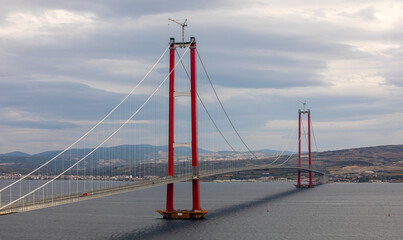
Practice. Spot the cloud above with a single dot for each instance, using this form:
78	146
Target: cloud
41	124
13	118
54	99
28	25
65	64
376	48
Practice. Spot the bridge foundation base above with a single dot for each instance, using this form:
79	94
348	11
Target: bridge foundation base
304	185
183	214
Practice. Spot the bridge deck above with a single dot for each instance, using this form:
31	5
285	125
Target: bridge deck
77	197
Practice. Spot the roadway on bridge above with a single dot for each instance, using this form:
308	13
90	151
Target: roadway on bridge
132	186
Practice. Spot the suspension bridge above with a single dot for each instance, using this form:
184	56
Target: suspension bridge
156	135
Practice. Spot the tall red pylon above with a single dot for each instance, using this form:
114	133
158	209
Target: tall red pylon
171	119
310	184
196	212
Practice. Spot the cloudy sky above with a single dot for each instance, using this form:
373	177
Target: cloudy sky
65	64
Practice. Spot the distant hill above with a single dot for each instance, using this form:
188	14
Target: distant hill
15	154
387	155
122	151
116	152
378	156
125	153
272	151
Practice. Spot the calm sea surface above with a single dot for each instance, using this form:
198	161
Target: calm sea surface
237	211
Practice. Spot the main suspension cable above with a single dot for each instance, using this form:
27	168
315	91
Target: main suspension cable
103	142
292	153
94	127
289	157
208	113
286	146
225	112
314	138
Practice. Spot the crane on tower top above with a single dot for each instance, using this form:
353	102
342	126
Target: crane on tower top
184	24
303	104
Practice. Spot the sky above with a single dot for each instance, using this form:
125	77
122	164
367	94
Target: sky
65	64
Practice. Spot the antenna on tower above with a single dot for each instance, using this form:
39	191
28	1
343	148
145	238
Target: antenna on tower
183	25
303	104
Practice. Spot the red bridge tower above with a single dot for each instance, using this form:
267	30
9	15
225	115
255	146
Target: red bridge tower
170	212
308	112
